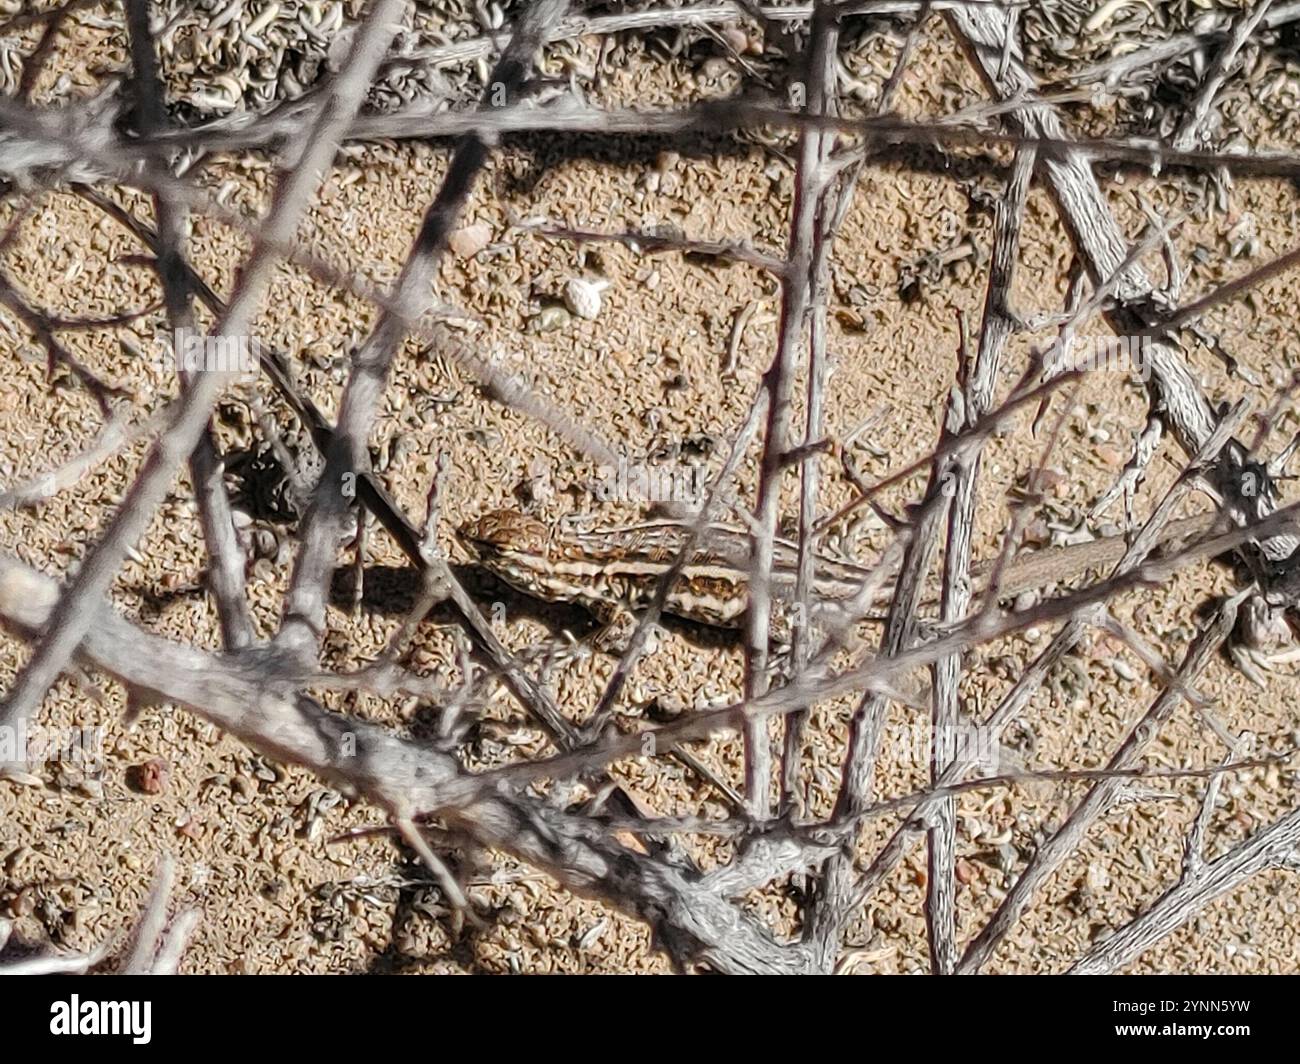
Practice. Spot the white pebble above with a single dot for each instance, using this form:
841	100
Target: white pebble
582	297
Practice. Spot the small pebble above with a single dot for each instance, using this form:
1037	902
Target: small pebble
151	777
467	242
549	320
582	297
964	871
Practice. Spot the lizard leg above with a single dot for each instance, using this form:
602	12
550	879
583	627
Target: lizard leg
617	625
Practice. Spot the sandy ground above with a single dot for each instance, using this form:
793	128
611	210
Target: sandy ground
261	848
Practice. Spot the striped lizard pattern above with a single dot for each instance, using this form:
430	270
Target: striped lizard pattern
614	574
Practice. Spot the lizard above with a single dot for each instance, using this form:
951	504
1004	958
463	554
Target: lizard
613	574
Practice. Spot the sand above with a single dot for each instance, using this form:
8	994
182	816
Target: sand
272	857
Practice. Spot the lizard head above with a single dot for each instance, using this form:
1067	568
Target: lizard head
499	531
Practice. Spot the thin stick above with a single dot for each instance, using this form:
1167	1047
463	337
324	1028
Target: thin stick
228	561
1022	691
1273	847
963	475
1192	127
304	620
778	382
1067	838
74	614
153	919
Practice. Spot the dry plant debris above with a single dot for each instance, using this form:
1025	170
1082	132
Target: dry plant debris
535	486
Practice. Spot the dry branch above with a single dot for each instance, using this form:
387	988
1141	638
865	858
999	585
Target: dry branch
962	474
801	277
241	695
1273	847
75	614
1053	852
260	693
1101	244
304	623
